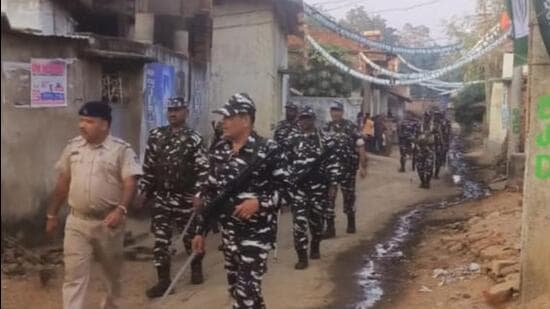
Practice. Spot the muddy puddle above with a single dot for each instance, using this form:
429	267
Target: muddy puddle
375	275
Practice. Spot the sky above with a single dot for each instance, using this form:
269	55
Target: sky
430	13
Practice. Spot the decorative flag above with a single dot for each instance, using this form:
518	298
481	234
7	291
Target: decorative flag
542	9
519	11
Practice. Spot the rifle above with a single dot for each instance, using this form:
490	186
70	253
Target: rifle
214	208
303	177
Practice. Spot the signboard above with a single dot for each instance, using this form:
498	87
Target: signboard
48	83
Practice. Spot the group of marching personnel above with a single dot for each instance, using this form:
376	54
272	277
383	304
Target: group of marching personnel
426	142
236	185
241	182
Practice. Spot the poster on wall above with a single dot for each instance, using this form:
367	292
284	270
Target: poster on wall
48	83
158	85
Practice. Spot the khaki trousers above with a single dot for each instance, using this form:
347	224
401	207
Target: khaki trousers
87	240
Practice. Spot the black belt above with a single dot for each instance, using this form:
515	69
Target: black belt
91	214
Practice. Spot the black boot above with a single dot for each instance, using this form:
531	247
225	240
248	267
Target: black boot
302	260
351	223
330	232
314	252
422	181
428	179
402	169
196	270
163	273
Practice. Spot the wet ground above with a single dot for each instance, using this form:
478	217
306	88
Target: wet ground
377	264
381	195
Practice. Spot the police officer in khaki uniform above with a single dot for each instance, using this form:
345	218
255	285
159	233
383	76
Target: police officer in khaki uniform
98	173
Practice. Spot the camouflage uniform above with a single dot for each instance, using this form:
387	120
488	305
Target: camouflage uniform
425	152
407	132
284	130
348	138
309	197
246	243
175	164
442	131
347	135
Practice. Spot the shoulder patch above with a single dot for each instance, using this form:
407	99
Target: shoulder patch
195	136
76	139
120	141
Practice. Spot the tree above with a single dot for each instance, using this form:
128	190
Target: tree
359	20
419	36
319	78
415	36
468	109
469	30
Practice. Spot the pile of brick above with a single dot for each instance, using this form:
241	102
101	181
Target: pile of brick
493	240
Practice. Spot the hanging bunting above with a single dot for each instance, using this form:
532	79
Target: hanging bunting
327	22
431	75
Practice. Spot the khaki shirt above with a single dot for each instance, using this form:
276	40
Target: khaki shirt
97	172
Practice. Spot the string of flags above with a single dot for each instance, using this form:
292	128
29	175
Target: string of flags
329	23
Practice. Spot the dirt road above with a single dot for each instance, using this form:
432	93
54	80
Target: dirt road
382	194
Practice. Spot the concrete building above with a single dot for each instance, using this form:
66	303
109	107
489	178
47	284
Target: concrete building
99	49
249	54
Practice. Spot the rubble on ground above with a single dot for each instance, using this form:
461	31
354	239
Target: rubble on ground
491	239
20	261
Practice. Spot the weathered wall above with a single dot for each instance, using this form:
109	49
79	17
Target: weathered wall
33	138
40	15
199	107
396	107
535	247
247	49
419	106
497	119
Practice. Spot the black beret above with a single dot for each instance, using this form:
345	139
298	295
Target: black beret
96	109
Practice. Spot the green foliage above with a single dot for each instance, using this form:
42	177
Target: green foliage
467	105
319	78
359	20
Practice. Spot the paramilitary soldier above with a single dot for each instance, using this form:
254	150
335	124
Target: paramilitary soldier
350	152
175	164
248	214
288	127
442	132
407	132
284	130
425	151
315	167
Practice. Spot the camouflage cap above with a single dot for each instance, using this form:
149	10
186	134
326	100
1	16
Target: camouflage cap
307	111
177	102
239	103
337	105
291	105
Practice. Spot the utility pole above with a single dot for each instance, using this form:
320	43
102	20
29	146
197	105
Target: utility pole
535	249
